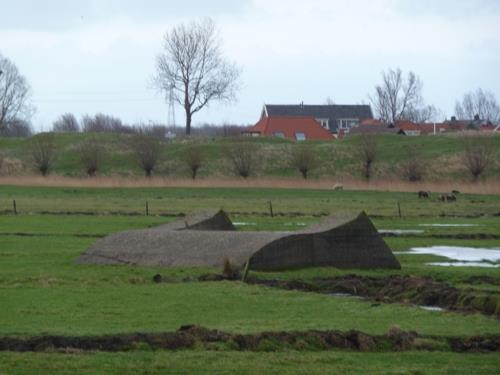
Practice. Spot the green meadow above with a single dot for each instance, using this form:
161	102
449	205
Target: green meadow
44	291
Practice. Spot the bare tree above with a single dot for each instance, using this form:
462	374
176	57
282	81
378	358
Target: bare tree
193	157
481	103
192	66
17	128
90	153
67	122
478	155
15	94
102	123
367	151
147	152
242	156
43	152
398	98
303	158
412	168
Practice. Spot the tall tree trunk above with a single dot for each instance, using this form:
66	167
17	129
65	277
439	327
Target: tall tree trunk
188	122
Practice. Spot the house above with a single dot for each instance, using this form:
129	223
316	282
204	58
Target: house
294	128
475	124
376	129
332	117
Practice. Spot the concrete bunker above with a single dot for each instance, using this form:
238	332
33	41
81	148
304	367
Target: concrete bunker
209	239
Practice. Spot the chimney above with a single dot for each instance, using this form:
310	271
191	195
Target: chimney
453	119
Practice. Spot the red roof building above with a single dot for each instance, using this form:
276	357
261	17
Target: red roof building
372	122
294	128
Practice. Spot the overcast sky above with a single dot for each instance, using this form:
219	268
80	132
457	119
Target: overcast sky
98	55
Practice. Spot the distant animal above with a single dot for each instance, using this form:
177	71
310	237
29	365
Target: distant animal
447	198
338	187
455	192
424	194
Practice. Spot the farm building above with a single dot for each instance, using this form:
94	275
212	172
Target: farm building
294	128
210	239
332	117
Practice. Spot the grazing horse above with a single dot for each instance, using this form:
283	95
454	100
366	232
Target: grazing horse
424	194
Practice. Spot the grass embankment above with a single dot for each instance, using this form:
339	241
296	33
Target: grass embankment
43	290
441	156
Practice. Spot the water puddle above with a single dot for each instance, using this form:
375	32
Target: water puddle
448	225
242	223
431	308
464	264
459	253
400	231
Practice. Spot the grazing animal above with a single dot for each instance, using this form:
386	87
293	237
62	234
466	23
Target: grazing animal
338	187
447	198
455	192
424	194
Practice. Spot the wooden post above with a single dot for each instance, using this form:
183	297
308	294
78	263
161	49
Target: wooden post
14	207
271	209
147	209
399	209
245	271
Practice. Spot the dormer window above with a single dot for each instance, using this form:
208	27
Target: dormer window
300	136
324	122
347	123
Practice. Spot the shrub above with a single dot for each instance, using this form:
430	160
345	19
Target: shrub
193	158
90	152
303	158
43	152
242	157
478	155
412	168
367	152
147	152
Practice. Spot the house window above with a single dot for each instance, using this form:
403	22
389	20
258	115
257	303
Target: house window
347	123
300	136
279	134
324	122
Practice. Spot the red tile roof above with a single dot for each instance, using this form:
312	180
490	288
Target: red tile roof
372	121
289	126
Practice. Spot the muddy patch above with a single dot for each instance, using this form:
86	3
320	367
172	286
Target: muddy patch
192	336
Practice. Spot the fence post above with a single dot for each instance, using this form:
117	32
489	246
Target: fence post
245	271
147	208
399	209
14	206
271	209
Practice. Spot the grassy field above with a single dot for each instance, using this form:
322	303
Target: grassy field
43	290
337	159
201	362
